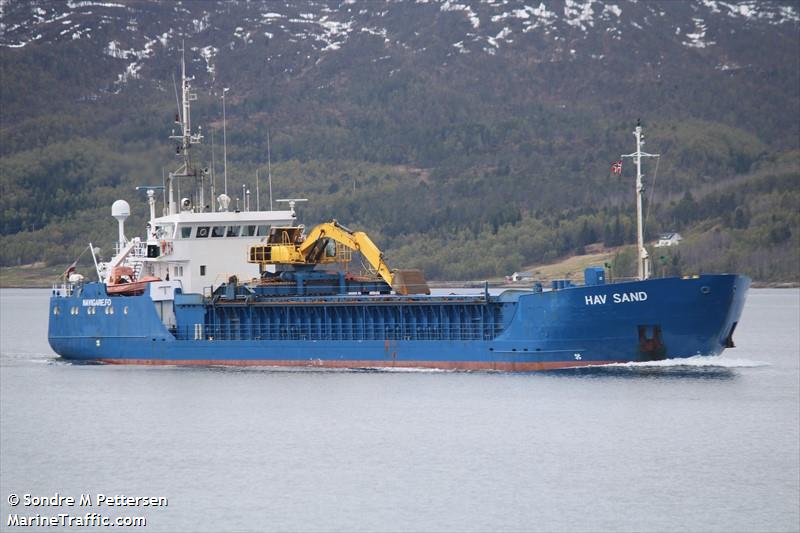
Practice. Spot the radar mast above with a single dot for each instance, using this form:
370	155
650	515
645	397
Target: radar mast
643	260
187	139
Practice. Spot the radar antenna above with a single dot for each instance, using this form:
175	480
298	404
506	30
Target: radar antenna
292	202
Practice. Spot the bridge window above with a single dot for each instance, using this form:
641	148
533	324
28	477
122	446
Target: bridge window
249	231
233	231
165	231
218	231
263	231
186	232
202	232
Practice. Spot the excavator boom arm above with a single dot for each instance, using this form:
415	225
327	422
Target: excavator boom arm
289	251
355	240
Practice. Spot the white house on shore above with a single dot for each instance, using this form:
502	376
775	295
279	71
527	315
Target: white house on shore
520	276
668	239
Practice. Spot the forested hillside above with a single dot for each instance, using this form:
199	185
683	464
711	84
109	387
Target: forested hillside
470	139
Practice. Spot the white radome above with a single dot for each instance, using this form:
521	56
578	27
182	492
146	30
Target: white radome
120	210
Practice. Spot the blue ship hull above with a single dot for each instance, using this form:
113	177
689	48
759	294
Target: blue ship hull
515	331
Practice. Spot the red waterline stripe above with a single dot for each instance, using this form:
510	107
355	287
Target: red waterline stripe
506	366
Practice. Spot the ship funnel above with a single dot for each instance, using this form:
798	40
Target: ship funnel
224	201
121	211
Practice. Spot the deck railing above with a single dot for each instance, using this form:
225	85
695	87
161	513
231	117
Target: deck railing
335	332
62	289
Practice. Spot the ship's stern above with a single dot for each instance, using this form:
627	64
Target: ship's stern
88	324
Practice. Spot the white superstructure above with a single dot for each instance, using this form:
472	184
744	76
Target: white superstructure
199	250
189	247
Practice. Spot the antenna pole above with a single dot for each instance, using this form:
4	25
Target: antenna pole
171	204
258	203
269	170
200	207
177	98
213	174
151	201
167	204
643	262
163	192
224	142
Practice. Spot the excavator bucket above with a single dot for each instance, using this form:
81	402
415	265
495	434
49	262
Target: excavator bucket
410	282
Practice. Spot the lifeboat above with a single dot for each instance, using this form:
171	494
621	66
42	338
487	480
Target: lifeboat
122	282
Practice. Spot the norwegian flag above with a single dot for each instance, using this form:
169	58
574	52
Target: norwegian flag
616	168
70	269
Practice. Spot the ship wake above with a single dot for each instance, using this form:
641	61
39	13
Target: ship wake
698	361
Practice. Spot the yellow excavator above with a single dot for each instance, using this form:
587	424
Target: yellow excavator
330	242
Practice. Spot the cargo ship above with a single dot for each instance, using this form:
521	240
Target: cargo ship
222	286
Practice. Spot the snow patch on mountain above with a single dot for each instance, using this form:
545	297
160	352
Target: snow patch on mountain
697	38
448	5
613	9
579	14
335	33
76	5
200	25
114	49
208	53
541	17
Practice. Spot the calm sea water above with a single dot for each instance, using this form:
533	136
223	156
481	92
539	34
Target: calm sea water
706	444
